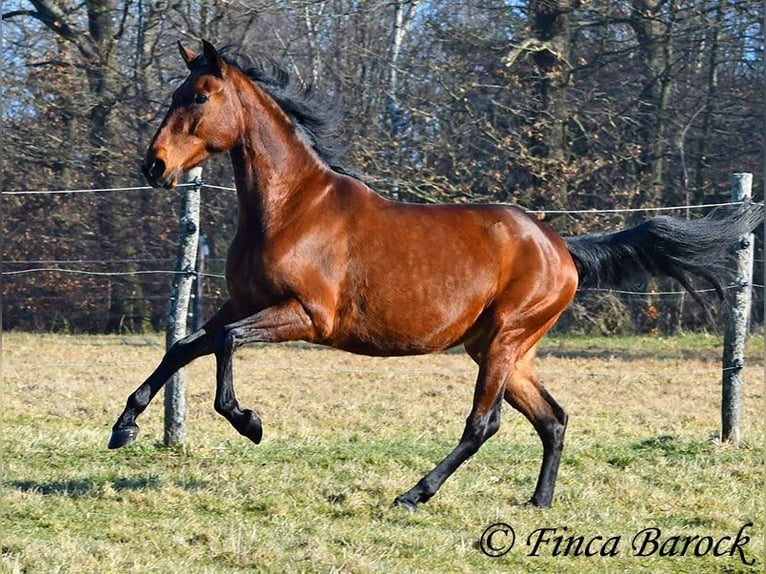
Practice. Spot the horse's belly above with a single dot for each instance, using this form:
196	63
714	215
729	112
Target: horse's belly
409	328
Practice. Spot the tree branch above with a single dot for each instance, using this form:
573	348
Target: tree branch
15	13
55	19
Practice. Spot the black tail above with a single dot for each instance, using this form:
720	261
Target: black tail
666	246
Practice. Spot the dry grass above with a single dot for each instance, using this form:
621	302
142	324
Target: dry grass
343	436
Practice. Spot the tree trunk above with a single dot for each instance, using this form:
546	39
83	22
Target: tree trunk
711	106
654	33
550	24
398	117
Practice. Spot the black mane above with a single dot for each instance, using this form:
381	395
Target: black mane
317	119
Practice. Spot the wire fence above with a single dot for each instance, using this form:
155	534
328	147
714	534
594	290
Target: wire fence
162	267
105	269
233	189
42	265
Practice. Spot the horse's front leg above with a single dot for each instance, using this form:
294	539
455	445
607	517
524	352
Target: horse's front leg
182	353
287	321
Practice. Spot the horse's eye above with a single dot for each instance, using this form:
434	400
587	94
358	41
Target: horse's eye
200	98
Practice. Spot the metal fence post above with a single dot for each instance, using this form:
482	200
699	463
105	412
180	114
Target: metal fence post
178	306
737	322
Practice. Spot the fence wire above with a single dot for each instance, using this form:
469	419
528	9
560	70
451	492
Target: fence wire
170	272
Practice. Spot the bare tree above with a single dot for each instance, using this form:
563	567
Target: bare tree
546	103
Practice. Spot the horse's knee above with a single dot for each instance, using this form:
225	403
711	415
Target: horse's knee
225	341
175	354
188	348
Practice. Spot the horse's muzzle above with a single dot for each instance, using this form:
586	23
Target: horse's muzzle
154	173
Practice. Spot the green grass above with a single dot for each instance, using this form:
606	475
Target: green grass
343	436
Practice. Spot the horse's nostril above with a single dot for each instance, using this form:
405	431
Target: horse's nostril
154	172
157	169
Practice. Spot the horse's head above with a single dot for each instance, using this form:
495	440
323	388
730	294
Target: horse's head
202	120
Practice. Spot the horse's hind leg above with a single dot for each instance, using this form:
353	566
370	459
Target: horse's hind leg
525	393
482	423
180	354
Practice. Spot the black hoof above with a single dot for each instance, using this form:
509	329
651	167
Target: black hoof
406	503
121	437
253	429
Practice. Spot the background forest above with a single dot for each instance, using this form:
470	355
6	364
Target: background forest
553	105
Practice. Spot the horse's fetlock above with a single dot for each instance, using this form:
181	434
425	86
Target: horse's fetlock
222	408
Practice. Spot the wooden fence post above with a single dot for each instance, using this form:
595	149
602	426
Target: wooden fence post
178	306
737	323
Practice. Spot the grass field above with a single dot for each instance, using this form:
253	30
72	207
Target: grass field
343	435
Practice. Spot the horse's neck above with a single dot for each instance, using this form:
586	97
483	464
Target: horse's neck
273	166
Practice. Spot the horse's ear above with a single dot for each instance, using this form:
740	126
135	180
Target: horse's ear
213	58
187	54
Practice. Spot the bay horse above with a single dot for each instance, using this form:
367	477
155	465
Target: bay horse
319	257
